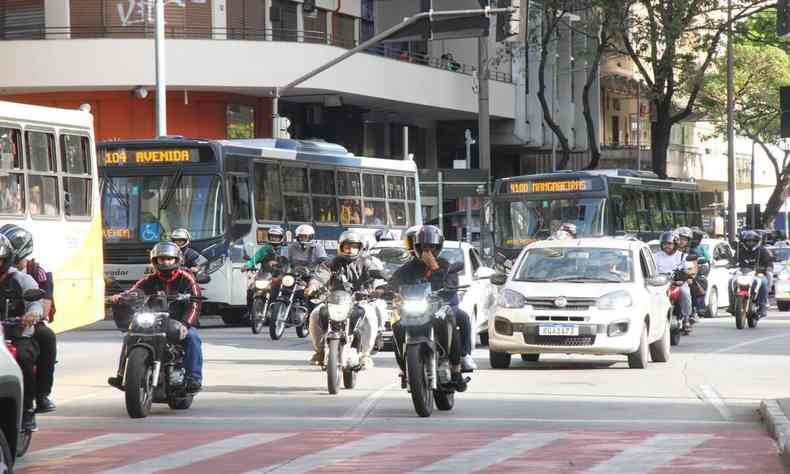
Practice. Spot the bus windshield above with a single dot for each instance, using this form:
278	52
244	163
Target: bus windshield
519	223
148	208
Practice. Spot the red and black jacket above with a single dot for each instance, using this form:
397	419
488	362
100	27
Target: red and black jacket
178	281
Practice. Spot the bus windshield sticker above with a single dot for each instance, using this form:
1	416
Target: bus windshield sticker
150	232
122	157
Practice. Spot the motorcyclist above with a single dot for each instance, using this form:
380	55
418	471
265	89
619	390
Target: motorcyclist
752	254
192	258
305	251
22	241
349	267
699	286
267	259
13	283
169	277
428	267
669	259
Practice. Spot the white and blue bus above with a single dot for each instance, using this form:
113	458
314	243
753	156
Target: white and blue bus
228	193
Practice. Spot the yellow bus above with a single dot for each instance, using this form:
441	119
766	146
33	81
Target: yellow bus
49	186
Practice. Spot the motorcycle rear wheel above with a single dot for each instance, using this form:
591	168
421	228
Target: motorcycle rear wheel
752	321
139	390
417	373
740	313
333	366
23	442
276	323
258	316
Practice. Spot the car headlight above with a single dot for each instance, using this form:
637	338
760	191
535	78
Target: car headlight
338	312
617	328
511	299
414	306
262	284
288	280
214	265
615	300
145	320
744	280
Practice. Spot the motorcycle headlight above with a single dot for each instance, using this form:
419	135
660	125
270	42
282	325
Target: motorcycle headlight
338	312
616	300
414	306
744	280
262	284
215	265
145	320
288	280
511	299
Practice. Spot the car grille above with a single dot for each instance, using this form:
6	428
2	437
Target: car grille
575	319
574	304
565	341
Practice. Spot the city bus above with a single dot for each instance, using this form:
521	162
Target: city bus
48	186
228	193
524	209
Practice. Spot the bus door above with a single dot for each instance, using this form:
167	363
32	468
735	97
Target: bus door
240	233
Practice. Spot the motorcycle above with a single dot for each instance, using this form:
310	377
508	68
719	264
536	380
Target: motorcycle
428	376
676	329
154	358
261	284
290	308
746	287
10	325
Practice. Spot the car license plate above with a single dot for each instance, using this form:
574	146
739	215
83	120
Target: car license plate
558	330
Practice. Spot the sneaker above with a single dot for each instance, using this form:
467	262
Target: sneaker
763	312
365	362
29	421
317	359
459	381
193	386
468	364
116	382
45	405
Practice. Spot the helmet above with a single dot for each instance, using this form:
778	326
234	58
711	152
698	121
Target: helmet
384	234
697	235
668	237
408	237
276	236
350	244
305	235
750	239
561	235
21	240
181	235
569	228
685	233
6	253
165	249
429	237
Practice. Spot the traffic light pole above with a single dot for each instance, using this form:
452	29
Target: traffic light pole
278	91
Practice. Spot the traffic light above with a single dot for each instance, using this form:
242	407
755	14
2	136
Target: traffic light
308	6
784	106
754	218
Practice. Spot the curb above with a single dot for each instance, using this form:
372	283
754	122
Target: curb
778	426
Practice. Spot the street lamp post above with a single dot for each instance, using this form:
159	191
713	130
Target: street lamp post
732	223
161	88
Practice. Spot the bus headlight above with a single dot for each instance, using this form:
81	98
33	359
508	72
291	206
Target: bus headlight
214	265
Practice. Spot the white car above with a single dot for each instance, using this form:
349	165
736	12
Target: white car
479	300
599	296
781	278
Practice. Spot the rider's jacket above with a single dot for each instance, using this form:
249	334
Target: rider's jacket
307	257
179	281
356	272
192	258
668	263
12	285
416	271
761	255
266	255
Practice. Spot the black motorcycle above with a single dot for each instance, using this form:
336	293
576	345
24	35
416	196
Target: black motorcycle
154	354
290	307
261	287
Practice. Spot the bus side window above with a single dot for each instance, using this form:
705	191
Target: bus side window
631	222
239	198
618	214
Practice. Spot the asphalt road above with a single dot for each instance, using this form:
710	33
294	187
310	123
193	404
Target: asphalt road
264	409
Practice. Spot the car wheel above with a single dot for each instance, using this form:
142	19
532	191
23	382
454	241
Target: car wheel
659	350
530	357
6	461
484	338
499	360
713	304
638	359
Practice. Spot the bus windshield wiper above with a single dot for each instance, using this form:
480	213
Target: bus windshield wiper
108	182
171	190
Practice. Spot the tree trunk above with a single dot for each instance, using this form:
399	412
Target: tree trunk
547	113
592	133
777	198
660	132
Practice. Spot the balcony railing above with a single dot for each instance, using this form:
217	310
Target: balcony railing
146	31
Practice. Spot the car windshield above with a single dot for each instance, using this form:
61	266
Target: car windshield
519	223
781	253
576	265
148	208
395	257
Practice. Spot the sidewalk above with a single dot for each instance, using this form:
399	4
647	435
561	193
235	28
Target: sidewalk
776	417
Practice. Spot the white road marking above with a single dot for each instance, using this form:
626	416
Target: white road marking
710	395
749	343
336	454
654	452
494	453
82	447
362	410
198	453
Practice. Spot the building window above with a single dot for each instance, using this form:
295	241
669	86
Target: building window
240	121
22	19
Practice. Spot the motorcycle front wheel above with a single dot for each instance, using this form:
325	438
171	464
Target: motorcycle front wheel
304	329
445	401
139	383
258	315
23	442
740	313
417	374
333	366
277	320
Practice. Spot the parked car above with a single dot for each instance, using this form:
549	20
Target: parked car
11	405
599	296
479	300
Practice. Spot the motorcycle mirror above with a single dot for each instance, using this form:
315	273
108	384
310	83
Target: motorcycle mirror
202	278
508	264
456	267
33	294
499	279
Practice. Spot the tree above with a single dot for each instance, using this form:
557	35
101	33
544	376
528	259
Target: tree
762	64
673	43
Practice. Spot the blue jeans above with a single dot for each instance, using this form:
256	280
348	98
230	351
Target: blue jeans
193	359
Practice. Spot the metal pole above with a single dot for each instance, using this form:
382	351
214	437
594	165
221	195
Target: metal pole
754	214
161	88
469	142
639	126
276	113
554	81
405	142
733	221
439	190
787	218
483	121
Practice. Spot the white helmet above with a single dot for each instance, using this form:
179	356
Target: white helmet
181	237
305	235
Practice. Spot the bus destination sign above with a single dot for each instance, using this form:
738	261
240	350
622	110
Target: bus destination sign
164	156
563	186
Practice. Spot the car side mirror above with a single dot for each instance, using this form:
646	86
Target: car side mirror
33	294
484	273
508	264
202	278
658	280
455	267
499	279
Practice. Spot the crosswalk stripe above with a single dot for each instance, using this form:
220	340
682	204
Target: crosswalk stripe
198	453
81	447
493	453
339	453
656	451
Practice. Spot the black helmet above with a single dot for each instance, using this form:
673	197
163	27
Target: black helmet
350	245
697	235
6	254
21	240
408	238
668	237
165	249
750	239
429	236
